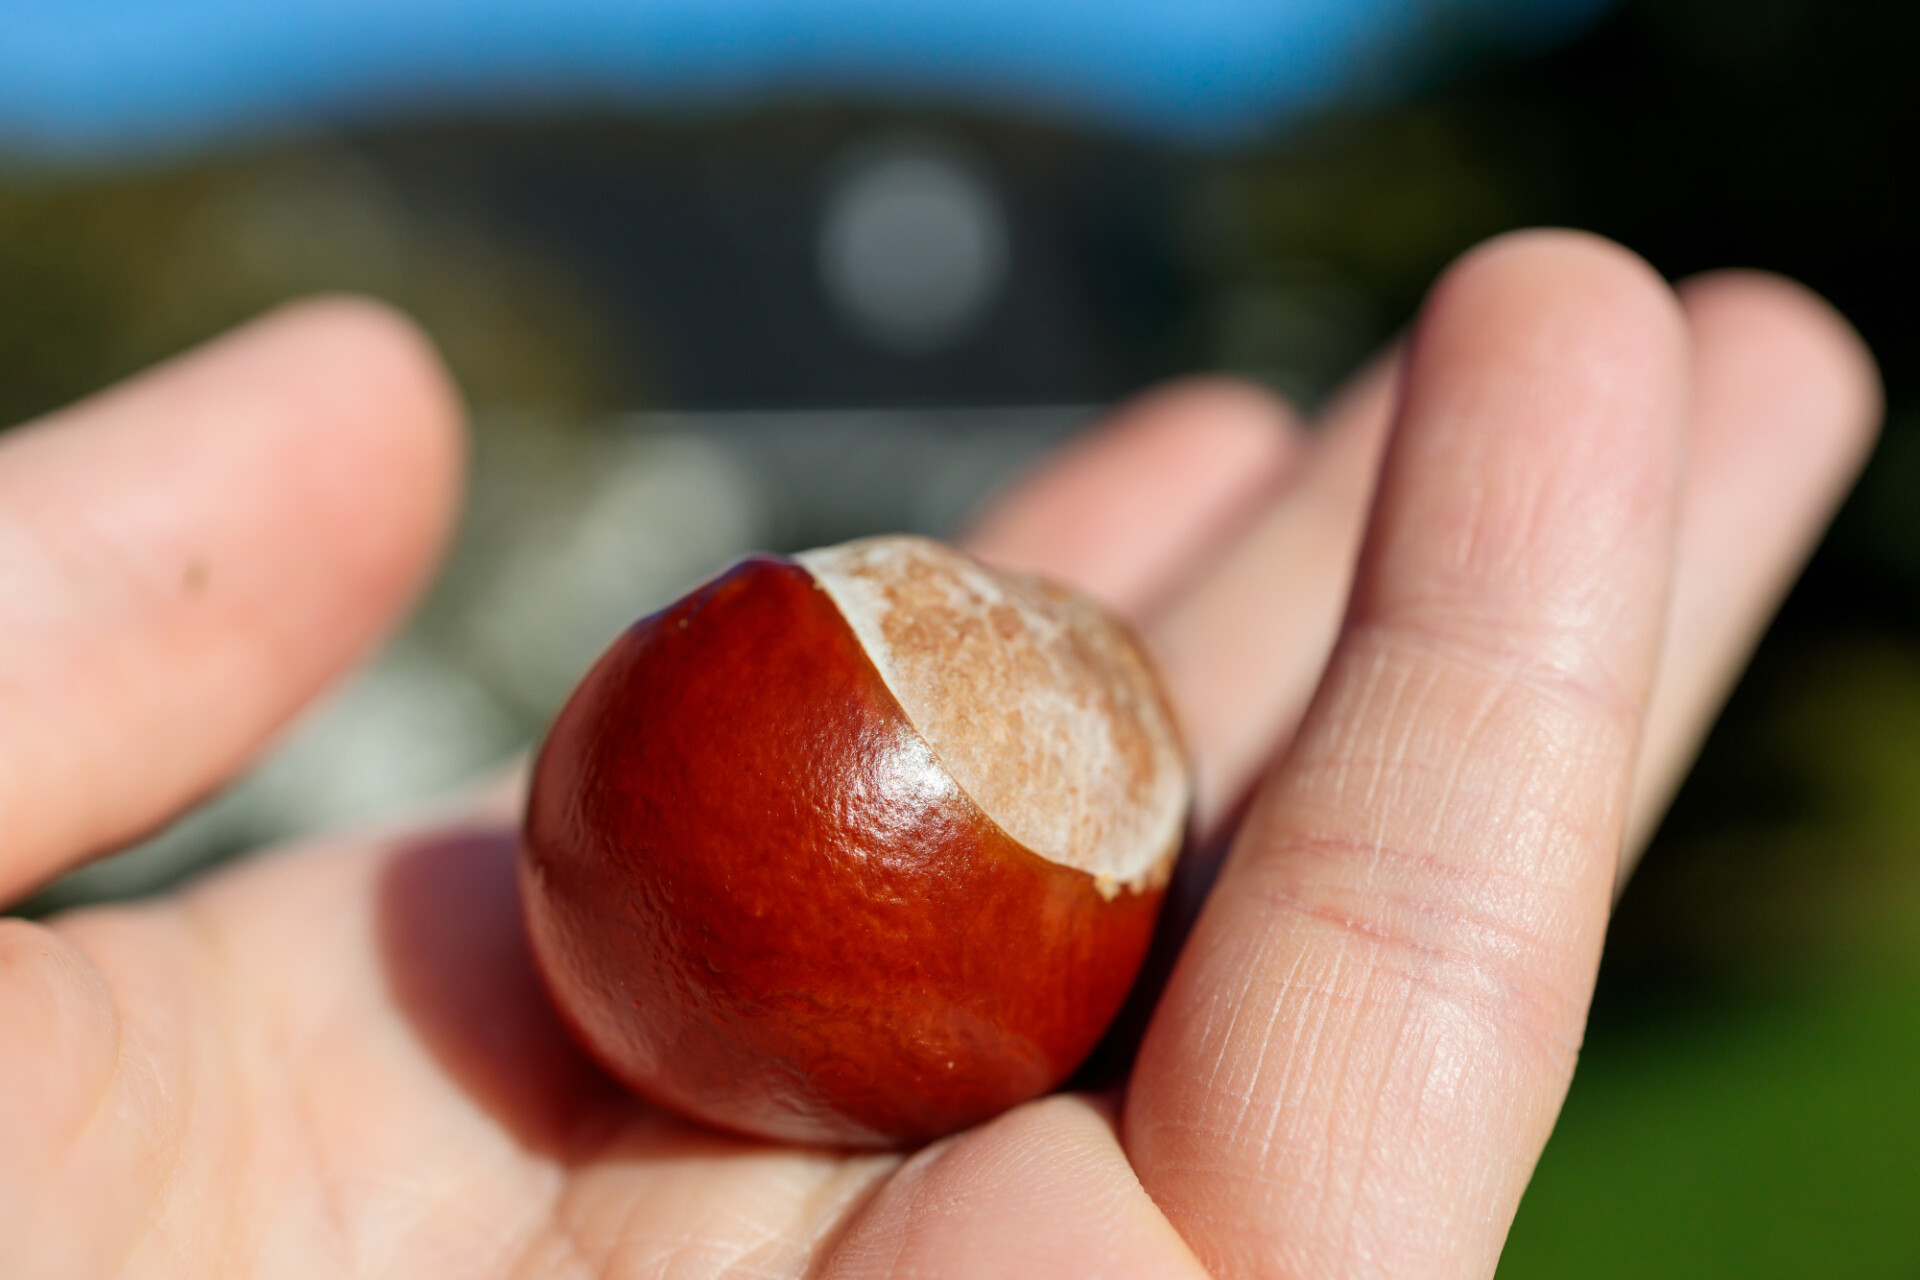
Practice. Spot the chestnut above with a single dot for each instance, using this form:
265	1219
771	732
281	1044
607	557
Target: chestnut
857	848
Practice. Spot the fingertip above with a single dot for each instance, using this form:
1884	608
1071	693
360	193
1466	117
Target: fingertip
1576	326
1242	422
377	417
395	357
1559	249
1122	510
335	412
1546	395
1046	1184
1610	290
1785	334
338	411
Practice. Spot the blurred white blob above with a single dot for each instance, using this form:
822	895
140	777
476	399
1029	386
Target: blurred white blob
655	515
913	247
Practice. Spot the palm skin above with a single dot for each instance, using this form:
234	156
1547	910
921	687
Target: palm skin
337	1059
349	1043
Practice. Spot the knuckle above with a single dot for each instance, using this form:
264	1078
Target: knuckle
1480	942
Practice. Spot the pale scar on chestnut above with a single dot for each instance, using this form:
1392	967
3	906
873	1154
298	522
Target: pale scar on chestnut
1036	700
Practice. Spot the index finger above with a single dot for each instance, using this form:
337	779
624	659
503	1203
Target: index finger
1368	1036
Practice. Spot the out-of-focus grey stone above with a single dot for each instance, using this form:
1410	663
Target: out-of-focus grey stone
913	244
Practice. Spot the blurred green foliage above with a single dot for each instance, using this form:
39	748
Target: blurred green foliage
1745	1106
104	273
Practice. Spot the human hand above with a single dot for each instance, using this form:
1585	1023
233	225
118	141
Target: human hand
337	1059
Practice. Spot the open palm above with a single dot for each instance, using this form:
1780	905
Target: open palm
1458	643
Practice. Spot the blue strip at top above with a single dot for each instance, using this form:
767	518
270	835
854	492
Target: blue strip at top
100	76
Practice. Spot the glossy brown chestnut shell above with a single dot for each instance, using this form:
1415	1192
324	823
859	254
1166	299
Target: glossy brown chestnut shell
760	897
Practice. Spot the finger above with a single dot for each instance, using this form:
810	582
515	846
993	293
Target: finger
57	1020
184	560
1786	402
1364	1046
1123	511
1044	1190
1242	647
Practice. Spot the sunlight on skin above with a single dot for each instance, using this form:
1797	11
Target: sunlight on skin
1383	1000
337	1060
348	1043
1053	1182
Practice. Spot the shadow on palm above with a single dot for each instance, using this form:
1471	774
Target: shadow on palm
458	965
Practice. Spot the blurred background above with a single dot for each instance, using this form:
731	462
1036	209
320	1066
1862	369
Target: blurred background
762	275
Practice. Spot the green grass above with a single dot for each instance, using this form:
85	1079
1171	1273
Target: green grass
1784	1144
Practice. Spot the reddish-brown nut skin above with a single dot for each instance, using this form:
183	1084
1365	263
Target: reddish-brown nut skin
755	903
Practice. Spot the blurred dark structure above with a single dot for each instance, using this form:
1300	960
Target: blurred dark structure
704	245
1745	1106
